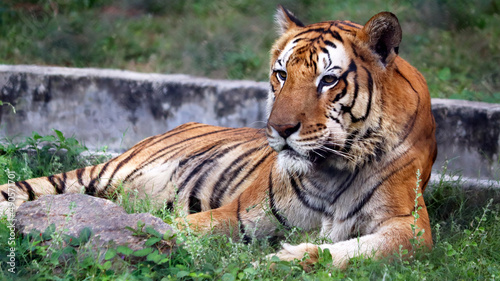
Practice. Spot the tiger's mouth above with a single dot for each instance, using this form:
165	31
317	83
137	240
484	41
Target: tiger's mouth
290	162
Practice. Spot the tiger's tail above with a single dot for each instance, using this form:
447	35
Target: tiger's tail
14	193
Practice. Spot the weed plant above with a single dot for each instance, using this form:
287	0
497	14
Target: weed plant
38	156
465	225
454	43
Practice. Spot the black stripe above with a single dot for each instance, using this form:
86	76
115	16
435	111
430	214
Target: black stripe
246	239
79	175
344	186
411	123
319	30
272	204
303	199
352	68
349	140
370	96
137	150
336	35
201	179
370	193
101	173
90	190
330	43
257	165
349	24
202	151
223	184
230	172
199	166
401	74
137	172
63	181
158	154
5	195
52	179
341	95
177	131
23	185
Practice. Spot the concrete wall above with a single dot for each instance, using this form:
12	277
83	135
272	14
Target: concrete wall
119	108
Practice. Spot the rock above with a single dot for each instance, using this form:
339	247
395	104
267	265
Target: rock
71	214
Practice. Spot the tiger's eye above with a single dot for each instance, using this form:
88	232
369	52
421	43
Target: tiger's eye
281	75
329	79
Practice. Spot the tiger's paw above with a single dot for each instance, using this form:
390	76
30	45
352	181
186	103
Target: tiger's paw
292	252
298	252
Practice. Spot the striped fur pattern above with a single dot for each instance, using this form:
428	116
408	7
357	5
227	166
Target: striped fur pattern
349	125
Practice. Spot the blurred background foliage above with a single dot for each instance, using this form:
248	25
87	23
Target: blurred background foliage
454	43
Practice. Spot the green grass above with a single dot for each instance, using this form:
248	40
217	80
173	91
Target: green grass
454	43
465	225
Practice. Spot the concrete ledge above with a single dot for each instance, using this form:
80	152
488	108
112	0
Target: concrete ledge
117	109
468	136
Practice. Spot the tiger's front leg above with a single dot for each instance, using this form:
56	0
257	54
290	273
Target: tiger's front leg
387	240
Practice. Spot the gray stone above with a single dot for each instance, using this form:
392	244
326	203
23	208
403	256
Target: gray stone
71	213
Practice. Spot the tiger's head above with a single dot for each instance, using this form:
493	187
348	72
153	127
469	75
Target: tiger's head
328	86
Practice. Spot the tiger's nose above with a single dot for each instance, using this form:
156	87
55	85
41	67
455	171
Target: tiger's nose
285	130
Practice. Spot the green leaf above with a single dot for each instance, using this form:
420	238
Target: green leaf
152	231
151	241
142	253
60	135
106	265
135	232
228	277
69	251
154	257
181	274
275	259
35	135
250	271
169	235
140	225
85	234
111	253
124	250
73	241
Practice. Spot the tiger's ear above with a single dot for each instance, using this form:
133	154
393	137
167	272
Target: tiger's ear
383	34
286	20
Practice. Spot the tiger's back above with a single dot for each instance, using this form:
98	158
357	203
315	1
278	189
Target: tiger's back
201	167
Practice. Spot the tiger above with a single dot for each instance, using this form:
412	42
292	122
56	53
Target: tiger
349	134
